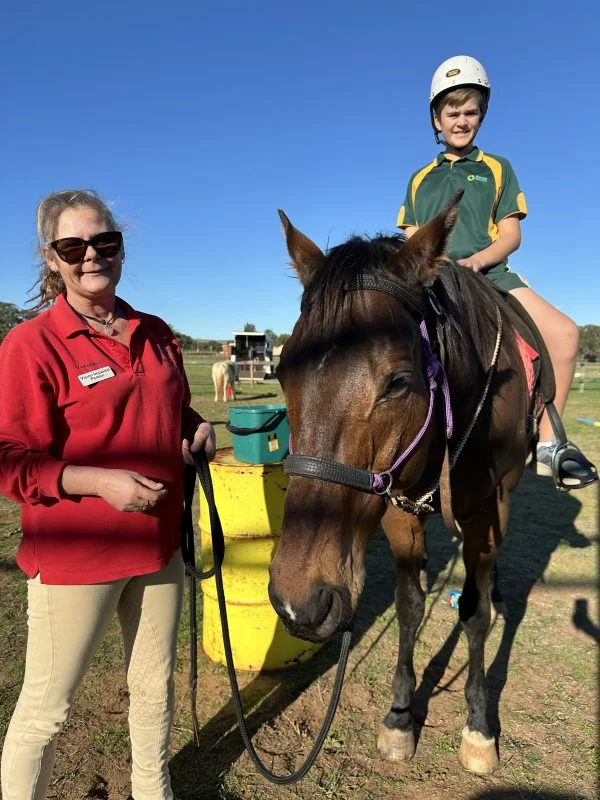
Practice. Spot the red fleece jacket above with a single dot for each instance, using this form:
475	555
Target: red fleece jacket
134	419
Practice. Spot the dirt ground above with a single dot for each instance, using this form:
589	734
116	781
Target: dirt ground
543	663
542	676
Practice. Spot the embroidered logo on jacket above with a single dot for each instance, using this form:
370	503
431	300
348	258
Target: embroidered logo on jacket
87	365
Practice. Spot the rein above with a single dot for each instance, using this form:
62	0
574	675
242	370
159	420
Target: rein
218	544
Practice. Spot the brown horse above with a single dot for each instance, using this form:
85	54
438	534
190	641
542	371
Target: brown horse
377	425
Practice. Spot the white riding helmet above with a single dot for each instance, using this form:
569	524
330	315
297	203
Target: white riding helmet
459	71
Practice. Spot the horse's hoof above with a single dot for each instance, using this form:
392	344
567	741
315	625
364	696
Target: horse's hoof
396	745
478	753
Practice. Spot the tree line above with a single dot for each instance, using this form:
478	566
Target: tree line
11	315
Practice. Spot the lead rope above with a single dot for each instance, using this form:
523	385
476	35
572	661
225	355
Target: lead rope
218	544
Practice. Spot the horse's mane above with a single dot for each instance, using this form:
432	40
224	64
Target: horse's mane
325	293
471	305
469	300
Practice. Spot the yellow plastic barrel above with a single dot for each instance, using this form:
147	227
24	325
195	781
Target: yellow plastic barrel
250	499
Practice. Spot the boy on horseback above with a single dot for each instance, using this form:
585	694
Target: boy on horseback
488	230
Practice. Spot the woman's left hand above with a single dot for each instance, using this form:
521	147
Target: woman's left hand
204	439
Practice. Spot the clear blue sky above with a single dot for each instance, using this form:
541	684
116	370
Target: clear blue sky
199	119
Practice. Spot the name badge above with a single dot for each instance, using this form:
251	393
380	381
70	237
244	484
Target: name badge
96	375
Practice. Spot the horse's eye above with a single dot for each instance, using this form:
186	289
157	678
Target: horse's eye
397	384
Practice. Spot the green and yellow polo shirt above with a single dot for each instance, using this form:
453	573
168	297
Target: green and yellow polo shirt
491	193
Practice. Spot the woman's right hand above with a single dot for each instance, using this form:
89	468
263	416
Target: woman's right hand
128	491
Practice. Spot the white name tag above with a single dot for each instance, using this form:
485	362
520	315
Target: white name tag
96	375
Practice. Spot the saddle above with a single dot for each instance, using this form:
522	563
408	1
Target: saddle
545	384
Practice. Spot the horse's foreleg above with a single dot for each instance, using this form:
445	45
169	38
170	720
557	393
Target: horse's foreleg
482	535
396	739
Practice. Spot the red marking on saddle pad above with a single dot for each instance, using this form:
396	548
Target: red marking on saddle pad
528	356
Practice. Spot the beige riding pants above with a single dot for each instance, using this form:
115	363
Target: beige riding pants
66	625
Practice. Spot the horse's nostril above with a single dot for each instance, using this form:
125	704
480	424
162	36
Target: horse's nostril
323	604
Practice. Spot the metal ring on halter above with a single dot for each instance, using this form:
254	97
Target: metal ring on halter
435	303
384	489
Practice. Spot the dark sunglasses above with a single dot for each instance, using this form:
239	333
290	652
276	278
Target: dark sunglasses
73	250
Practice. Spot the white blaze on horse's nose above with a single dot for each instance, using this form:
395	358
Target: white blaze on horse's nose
288	610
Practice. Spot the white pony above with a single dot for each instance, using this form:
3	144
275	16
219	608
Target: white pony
223	376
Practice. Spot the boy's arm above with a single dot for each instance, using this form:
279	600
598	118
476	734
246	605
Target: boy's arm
410	230
509	239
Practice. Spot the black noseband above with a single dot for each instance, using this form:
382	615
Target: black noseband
332	471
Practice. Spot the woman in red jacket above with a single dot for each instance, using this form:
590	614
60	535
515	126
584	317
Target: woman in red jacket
95	423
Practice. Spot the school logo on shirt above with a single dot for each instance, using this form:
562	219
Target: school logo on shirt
480	178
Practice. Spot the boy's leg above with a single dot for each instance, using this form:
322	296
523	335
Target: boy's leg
149	612
566	463
561	336
66	625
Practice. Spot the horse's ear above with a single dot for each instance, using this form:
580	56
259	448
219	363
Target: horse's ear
306	256
426	247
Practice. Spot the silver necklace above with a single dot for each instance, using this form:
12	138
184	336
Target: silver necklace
107	323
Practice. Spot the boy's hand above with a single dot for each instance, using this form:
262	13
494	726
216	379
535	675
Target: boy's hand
473	262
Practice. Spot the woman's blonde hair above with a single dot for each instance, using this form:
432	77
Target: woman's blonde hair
48	213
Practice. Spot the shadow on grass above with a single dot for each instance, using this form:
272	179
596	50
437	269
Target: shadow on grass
531	539
246	397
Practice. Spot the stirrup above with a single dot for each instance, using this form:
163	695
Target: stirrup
570	468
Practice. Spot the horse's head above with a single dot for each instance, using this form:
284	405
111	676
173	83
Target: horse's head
354	379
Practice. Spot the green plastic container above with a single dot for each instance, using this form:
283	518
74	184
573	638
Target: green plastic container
260	434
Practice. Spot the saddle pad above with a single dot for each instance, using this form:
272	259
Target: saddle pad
528	356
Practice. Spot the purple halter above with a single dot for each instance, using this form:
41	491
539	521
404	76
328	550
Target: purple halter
383	480
380	482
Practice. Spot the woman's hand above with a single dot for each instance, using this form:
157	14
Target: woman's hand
204	439
128	491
